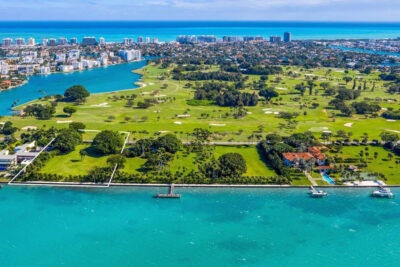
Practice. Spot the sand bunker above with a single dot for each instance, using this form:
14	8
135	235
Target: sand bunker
151	83
64	121
276	112
178	122
183	116
216	124
393	131
391	120
281	88
249	112
102	105
159	95
268	112
27	128
349	124
164	131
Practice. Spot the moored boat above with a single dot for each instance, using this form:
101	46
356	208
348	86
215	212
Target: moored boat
382	193
317	193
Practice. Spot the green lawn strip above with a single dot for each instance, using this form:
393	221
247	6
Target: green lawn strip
71	163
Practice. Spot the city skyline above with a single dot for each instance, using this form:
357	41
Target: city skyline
201	10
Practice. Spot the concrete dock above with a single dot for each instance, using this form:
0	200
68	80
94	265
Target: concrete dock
170	195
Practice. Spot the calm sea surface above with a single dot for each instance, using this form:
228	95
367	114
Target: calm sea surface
167	31
207	227
98	80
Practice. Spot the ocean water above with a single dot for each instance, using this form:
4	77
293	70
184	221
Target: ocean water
207	227
98	80
169	30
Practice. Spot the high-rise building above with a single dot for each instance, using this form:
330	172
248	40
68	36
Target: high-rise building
89	41
258	38
19	41
140	39
287	37
186	39
31	41
155	40
231	39
128	41
129	55
147	39
6	42
62	41
102	41
275	39
52	42
206	39
45	42
248	38
73	41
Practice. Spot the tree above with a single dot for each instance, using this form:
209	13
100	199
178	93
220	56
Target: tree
77	126
83	153
8	128
76	93
268	93
107	142
347	79
301	88
389	137
232	164
66	140
169	142
69	110
116	159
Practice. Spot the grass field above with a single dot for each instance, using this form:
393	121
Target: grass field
109	111
381	164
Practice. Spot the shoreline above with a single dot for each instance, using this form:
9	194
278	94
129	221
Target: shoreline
15	109
239	186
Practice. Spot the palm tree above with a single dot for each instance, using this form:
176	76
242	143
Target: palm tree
83	153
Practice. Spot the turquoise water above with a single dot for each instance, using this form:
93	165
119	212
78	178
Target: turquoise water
207	227
168	30
98	80
365	51
328	179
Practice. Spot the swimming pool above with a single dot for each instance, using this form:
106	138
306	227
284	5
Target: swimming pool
328	179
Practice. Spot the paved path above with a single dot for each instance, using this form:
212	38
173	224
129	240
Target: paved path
309	177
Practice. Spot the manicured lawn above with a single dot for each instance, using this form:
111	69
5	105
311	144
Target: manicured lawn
71	164
256	165
381	164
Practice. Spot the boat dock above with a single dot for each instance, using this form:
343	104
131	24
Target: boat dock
170	195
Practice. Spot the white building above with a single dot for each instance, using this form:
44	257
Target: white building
73	54
19	41
130	55
44	70
44	42
66	68
77	65
6	42
31	41
102	41
60	57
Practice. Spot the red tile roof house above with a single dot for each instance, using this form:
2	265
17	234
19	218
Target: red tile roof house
292	159
316	152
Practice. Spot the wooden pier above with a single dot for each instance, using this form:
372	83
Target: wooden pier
170	195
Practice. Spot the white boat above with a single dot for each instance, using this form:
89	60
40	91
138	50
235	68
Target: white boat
317	193
382	193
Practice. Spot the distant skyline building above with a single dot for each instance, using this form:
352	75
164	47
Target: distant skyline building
248	38
102	41
62	41
19	41
275	39
73	41
6	42
147	39
89	41
186	39
31	41
287	37
155	40
206	39
231	39
52	42
128	41
45	41
140	39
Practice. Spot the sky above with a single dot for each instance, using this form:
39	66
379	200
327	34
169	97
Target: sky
263	10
